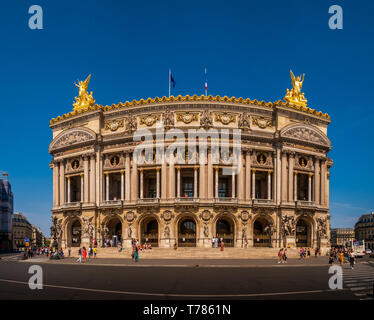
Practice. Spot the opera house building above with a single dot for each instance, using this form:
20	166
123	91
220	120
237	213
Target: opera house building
185	170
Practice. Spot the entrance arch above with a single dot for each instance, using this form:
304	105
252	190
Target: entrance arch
187	232
225	231
114	231
149	231
76	233
261	238
303	233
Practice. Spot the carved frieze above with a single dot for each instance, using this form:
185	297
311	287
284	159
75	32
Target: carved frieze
168	118
131	123
224	117
72	137
113	125
187	117
262	122
150	119
206	119
244	121
304	132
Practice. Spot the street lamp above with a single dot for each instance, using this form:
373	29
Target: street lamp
54	235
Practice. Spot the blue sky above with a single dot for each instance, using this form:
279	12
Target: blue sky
248	48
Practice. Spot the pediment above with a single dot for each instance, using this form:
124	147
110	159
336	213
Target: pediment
73	137
305	134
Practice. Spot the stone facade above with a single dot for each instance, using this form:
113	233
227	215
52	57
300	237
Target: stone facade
277	196
6	213
364	230
342	237
22	229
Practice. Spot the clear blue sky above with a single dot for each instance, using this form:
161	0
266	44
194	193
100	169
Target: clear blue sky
248	48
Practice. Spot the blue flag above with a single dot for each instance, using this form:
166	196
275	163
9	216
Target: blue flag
172	80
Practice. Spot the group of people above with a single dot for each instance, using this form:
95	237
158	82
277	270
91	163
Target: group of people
82	253
215	243
282	255
338	255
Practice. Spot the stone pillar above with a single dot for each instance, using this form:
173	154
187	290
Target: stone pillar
55	185
310	187
316	181
216	182
141	183
284	177
92	182
291	160
241	180
163	179
134	180
62	183
83	191
247	175
253	184
158	182
122	185
178	182
107	186
68	189
127	177
269	185
278	175
202	176
210	176
171	178
85	182
233	183
295	187
195	195
323	182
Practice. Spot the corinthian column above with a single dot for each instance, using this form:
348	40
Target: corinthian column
158	182
83	191
178	182
233	183
92	179
141	183
316	180
134	179
195	182
310	187
55	185
295	187
107	186
216	182
62	183
253	184
171	177
291	160
247	175
210	175
85	182
269	185
284	177
323	182
122	185
127	177
68	189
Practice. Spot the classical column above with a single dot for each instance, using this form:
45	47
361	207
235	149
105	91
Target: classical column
233	183
83	191
291	160
253	184
68	189
295	187
202	176
195	182
92	182
127	177
216	182
278	175
247	175
171	177
284	177
158	181
210	175
316	180
141	183
134	179
122	185
99	178
163	179
310	187
62	183
323	182
241	179
107	186
269	185
55	185
85	182
178	182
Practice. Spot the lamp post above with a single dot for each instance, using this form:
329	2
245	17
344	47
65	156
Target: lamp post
54	235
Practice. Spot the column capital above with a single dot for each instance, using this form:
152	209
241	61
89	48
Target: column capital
195	168
310	175
157	169
254	170
82	175
68	177
122	172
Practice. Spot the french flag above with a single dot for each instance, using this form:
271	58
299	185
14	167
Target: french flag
206	83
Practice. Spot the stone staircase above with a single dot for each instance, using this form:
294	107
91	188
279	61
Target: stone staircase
193	253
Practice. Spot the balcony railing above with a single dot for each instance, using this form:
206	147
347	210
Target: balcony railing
263	201
187	199
112	203
148	201
226	200
72	205
303	203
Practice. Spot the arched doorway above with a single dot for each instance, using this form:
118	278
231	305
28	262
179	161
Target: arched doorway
149	232
114	232
187	233
225	231
303	234
261	235
76	233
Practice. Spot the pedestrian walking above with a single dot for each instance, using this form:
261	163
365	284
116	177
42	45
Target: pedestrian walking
301	253
79	255
222	245
280	255
69	251
308	253
95	252
352	259
84	253
341	257
285	256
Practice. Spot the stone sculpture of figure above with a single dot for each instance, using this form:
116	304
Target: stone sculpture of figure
168	118
288	225
206	119
322	227
129	232
295	95
167	232
243	121
244	232
269	229
131	123
84	98
59	230
86	226
206	231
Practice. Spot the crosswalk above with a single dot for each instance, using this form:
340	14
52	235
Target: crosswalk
360	280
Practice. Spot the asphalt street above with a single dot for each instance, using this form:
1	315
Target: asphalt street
89	281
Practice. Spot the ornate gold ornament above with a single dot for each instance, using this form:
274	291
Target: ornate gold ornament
130	216
206	215
113	125
150	119
295	96
187	117
262	122
84	99
75	164
114	161
225	118
261	158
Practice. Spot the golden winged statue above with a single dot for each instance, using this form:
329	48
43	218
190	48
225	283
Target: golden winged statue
295	96
84	99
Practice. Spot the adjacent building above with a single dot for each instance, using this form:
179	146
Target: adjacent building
270	188
6	213
22	229
341	237
38	238
364	229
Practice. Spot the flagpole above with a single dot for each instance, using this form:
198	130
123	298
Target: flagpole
169	81
206	84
